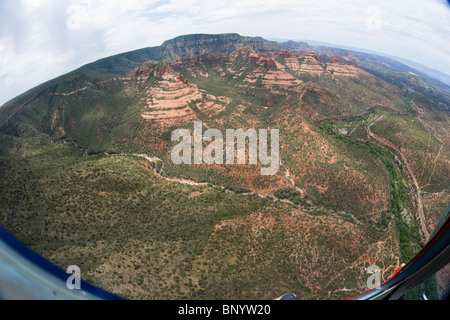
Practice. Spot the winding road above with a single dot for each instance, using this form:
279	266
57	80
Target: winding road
416	184
195	183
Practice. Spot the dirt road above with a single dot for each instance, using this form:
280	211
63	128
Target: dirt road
416	184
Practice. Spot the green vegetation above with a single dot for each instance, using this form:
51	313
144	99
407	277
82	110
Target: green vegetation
429	287
291	195
424	152
409	235
72	188
141	237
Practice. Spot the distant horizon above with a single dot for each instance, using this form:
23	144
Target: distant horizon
316	43
278	40
43	39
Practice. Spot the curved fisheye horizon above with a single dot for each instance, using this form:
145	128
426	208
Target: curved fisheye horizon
233	150
40	40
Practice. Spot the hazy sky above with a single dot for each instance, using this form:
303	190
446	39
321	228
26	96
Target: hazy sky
42	39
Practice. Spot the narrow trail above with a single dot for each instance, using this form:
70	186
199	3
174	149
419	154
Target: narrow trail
353	130
435	160
72	92
416	184
195	183
182	181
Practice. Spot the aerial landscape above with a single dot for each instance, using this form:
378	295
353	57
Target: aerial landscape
87	175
